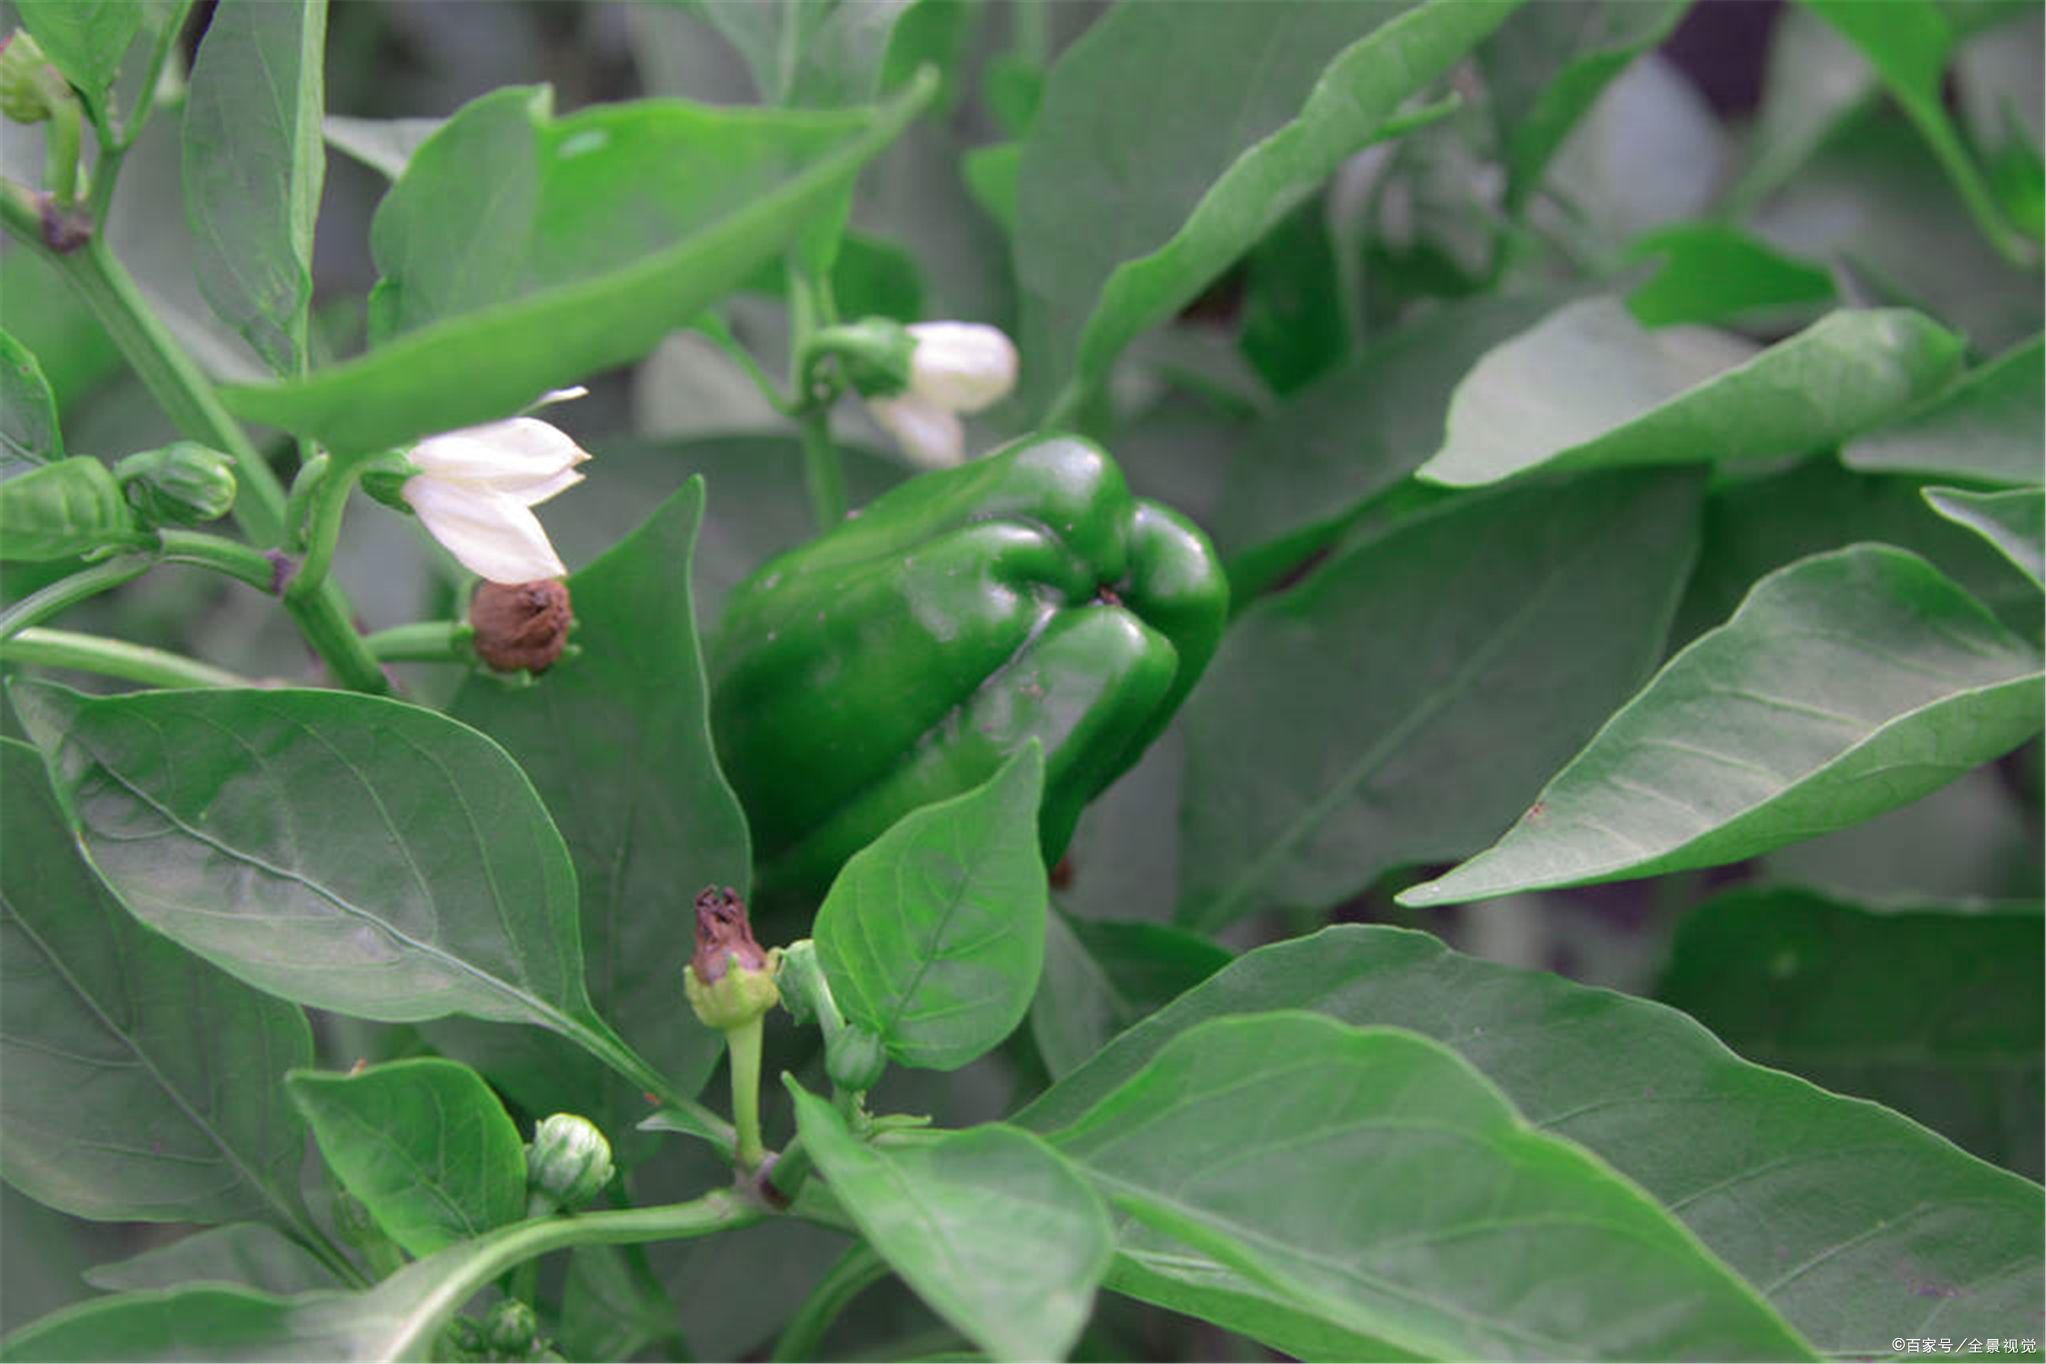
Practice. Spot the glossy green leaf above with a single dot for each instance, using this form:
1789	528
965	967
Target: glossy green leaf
251	1254
1357	431
346	851
932	936
28	413
1857	1224
1400	702
1102	976
84	39
2014	521
1710	272
55	511
509	268
994	1231
617	741
142	1084
423	1143
1846	684
1934	1013
253	167
1589	387
1169	139
1376	1179
1987	426
1547	66
1908	43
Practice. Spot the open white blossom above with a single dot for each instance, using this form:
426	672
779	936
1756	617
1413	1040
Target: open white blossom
956	367
476	488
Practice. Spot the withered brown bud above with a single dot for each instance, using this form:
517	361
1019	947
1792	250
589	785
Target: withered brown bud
520	625
722	932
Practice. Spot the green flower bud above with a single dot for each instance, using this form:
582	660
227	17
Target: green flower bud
183	484
853	1058
730	981
568	1160
26	80
510	1329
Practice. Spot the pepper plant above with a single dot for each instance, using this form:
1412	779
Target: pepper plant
1337	679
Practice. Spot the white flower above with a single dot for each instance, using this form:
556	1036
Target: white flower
476	488
956	367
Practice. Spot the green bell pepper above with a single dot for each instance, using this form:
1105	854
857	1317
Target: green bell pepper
900	658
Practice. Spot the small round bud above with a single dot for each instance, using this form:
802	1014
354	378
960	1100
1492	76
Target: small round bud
729	981
183	484
876	353
568	1160
510	1329
520	625
25	79
853	1058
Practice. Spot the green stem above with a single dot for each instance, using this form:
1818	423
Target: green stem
325	506
743	1044
60	150
230	557
488	1256
822	472
68	591
152	77
298	504
114	658
856	1271
425	641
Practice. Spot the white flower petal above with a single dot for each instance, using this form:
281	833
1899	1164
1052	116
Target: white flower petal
559	395
493	534
961	366
534	494
930	436
507	455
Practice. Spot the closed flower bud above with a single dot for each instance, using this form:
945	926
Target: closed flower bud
853	1058
955	367
183	484
729	981
520	625
509	1332
27	80
568	1160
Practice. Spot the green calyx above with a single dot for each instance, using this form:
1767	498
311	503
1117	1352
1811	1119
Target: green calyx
30	88
736	998
182	484
904	656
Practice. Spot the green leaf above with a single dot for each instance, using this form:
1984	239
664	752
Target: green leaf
1590	388
996	1232
55	511
1100	977
1547	66
2014	521
1714	273
1987	426
1376	1179
609	1309
84	39
346	851
253	167
1847	684
385	145
1812	82
617	742
423	1143
810	53
1857	1224
1908	43
1170	139
933	935
142	1084
28	412
993	175
1357	431
509	268
1399	703
208	1323
1934	1013
250	1254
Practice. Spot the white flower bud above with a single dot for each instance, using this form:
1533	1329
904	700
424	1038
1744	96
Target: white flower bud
960	366
929	435
476	488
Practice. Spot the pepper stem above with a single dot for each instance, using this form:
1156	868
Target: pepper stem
743	1043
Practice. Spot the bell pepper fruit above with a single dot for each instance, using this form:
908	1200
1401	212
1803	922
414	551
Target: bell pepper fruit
901	657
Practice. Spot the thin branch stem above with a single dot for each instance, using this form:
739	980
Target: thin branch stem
823	473
68	591
425	641
858	1269
743	1044
114	658
231	557
324	508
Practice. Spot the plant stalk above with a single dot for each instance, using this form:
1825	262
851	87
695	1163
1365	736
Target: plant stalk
823	472
114	658
858	1269
68	591
743	1044
425	641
